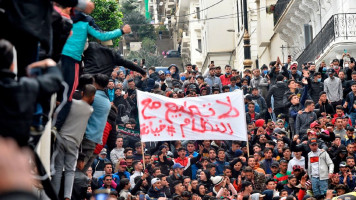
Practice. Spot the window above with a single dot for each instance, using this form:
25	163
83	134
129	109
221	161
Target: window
197	10
199	44
308	34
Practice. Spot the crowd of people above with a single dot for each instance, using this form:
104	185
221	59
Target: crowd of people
300	120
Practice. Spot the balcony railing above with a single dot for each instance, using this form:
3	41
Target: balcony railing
280	7
339	26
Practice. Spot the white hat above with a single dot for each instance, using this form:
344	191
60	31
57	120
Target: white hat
155	180
216	180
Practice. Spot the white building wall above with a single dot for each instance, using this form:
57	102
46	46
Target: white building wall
195	34
217	42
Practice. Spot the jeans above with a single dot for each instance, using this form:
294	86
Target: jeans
88	148
352	116
67	157
319	186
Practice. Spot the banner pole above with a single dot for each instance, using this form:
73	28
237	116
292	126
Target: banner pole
248	147
143	156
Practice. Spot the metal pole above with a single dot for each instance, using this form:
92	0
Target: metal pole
247	47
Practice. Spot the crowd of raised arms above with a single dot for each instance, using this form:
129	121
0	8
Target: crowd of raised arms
300	119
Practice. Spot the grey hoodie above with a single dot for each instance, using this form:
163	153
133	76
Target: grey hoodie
303	122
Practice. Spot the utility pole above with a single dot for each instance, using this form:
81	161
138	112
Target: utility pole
247	46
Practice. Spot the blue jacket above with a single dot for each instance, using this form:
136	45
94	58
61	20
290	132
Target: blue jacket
125	173
115	178
97	120
220	167
74	46
194	166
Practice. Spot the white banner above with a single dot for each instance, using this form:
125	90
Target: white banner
213	117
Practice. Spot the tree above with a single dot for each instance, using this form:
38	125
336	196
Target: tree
149	45
107	15
147	52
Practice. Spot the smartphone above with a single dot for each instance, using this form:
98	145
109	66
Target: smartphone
141	197
345	51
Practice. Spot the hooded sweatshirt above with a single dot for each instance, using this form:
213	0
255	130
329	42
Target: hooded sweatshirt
294	162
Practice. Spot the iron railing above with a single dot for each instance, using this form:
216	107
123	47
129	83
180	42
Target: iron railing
339	26
279	9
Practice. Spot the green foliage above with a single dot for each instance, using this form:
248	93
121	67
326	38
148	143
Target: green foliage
128	6
139	25
149	45
107	16
161	28
151	58
135	20
147	31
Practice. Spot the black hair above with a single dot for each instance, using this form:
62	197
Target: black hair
101	80
6	54
266	150
245	184
233	78
84	80
280	77
107	175
225	87
308	103
81	157
122	184
128	149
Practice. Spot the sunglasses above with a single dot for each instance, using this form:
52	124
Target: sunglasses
108	179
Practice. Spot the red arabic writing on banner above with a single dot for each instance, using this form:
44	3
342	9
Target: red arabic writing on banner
194	118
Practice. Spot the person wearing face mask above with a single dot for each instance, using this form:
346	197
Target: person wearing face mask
337	64
333	88
155	191
322	70
316	86
168	80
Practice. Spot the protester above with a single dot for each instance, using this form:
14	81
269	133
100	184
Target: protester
300	135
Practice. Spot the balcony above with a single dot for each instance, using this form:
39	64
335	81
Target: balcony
340	29
279	9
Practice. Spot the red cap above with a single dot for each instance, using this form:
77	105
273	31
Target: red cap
123	163
314	124
311	133
259	122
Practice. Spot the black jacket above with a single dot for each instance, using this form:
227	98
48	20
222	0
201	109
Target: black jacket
273	75
325	107
19	100
101	59
315	89
29	18
111	141
248	117
277	91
